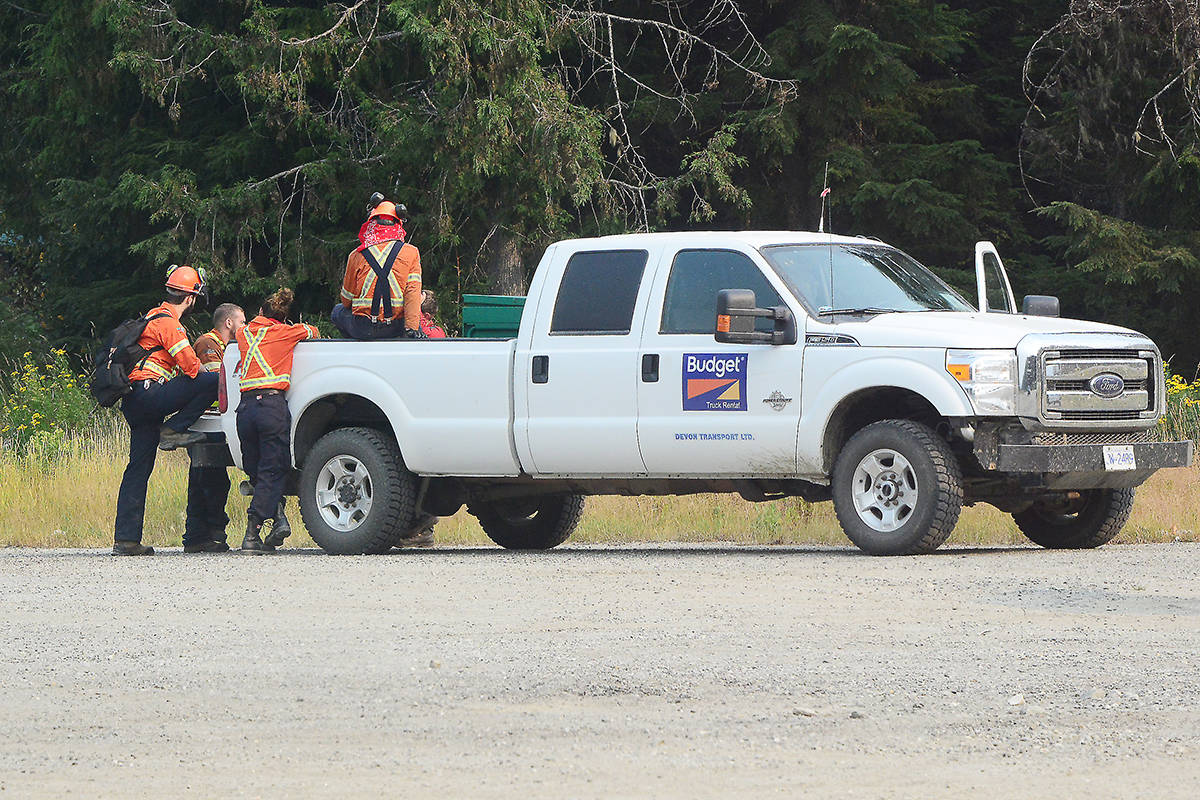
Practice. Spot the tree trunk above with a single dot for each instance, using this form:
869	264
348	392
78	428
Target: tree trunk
505	271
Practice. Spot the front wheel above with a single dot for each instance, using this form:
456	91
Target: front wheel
1076	520
533	523
355	494
897	488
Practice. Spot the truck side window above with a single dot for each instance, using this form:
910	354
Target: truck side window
690	305
993	284
598	292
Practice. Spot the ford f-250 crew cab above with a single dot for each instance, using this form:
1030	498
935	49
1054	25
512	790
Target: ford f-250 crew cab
770	364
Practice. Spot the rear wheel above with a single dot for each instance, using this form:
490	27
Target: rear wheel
1076	520
897	488
355	494
532	523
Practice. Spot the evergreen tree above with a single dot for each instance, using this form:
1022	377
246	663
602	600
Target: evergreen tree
1111	154
244	136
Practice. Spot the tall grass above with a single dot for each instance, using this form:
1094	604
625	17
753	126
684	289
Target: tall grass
67	498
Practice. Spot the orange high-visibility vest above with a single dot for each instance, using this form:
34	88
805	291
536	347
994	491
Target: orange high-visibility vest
175	355
267	346
210	349
358	287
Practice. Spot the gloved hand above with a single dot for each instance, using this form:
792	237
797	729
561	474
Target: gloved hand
409	333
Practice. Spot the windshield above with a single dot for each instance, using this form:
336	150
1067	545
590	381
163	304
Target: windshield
851	277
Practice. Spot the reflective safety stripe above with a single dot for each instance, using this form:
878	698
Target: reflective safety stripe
346	295
368	289
182	343
253	340
396	309
414	276
255	383
159	370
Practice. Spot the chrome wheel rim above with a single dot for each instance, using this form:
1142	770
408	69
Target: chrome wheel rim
344	493
885	490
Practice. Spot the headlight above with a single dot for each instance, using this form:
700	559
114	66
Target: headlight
989	378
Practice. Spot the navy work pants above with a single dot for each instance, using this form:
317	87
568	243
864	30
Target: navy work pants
264	426
357	326
145	409
208	492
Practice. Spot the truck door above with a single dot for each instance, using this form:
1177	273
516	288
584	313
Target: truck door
583	367
991	281
706	407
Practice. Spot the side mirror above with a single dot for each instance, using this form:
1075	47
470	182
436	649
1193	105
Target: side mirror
737	311
1040	305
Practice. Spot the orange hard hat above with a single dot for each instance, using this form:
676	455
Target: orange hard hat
185	279
385	209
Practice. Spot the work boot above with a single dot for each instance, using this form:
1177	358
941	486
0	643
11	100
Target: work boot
280	528
169	439
252	543
132	549
421	533
210	546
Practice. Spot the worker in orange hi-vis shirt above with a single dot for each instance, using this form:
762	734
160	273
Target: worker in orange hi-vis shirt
169	382
429	312
208	486
264	423
381	291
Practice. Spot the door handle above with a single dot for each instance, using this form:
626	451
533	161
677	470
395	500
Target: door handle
650	368
541	369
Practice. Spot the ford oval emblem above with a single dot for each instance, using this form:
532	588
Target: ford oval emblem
1106	384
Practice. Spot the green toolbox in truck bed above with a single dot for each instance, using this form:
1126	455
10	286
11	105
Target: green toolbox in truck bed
487	316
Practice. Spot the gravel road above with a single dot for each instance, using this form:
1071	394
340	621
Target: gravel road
674	671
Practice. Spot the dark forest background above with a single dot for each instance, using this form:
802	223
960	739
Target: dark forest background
244	136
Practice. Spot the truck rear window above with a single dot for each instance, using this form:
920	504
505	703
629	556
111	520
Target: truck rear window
598	292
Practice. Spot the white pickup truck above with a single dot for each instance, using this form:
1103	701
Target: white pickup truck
768	364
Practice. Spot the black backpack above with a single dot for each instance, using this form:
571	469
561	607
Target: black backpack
117	357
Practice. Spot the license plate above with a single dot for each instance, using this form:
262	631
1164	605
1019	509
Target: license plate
1119	456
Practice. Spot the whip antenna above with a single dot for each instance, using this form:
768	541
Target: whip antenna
824	194
821	229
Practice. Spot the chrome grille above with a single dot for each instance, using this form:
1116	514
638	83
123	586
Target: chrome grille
1097	353
1101	415
1082	386
1067	376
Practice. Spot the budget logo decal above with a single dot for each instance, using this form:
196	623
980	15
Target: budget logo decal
714	381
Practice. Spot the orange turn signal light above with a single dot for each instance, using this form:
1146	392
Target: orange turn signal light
723	323
961	372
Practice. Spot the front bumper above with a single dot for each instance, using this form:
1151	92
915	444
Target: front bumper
1089	457
1084	466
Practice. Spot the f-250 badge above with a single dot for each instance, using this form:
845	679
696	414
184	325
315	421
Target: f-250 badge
776	400
714	381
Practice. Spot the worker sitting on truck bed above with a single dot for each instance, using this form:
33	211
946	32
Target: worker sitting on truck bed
429	311
374	304
208	487
264	423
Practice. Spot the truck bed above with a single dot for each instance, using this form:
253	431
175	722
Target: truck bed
449	400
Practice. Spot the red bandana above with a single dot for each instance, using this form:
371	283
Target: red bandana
371	233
